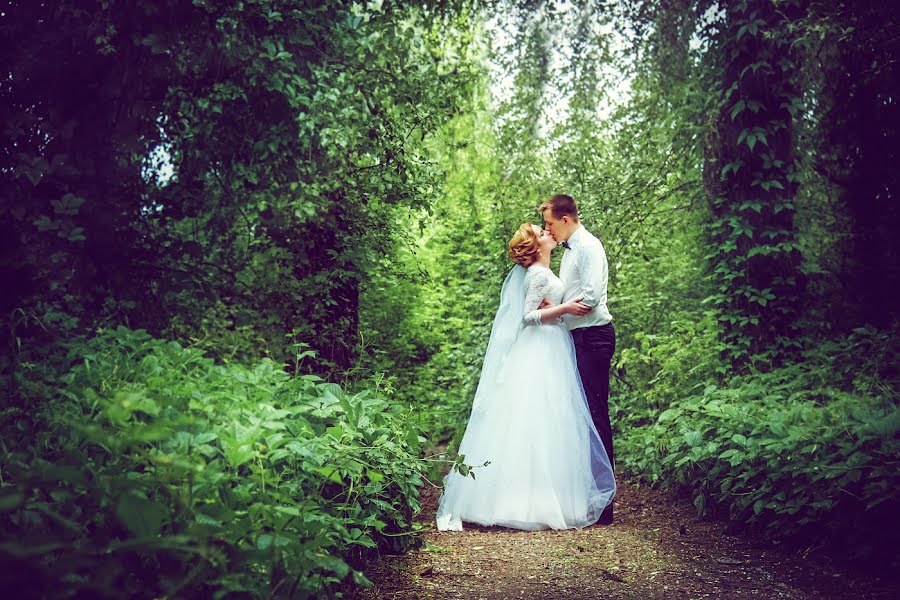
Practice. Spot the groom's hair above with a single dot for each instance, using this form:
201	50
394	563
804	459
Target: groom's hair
560	206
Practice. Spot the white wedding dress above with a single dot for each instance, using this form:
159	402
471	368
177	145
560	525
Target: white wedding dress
530	420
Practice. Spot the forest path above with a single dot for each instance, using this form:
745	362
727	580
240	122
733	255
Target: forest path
657	549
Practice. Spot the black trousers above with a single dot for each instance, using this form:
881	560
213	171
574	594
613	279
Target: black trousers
594	348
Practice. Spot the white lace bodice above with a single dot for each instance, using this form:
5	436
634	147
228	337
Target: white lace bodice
540	283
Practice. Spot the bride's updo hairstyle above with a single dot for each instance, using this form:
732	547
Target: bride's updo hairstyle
523	247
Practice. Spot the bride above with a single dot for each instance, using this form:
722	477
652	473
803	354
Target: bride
545	464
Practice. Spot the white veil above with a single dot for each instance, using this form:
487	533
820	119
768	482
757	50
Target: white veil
504	331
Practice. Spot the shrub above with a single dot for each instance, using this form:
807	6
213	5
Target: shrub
147	470
788	451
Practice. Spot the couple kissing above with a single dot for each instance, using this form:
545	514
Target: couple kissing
539	428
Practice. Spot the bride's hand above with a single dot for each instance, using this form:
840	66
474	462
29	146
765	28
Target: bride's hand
575	307
545	304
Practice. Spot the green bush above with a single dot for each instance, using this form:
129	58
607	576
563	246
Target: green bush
788	451
146	470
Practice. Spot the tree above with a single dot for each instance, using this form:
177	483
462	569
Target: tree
853	68
226	169
751	179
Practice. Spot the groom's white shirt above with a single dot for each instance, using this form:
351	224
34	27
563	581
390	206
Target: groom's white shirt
585	273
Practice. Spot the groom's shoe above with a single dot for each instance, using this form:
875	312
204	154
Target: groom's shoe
606	517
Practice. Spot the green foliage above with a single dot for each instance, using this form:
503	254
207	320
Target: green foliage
794	451
330	187
806	450
237	176
432	328
851	65
751	179
146	469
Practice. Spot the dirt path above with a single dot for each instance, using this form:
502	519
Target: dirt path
657	549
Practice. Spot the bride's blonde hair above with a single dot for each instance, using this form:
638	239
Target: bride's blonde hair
524	247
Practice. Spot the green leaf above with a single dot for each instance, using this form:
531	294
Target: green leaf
141	516
288	510
331	474
11	498
204	438
700	503
360	579
45	223
237	454
268	540
334	564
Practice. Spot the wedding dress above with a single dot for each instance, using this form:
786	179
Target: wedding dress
547	467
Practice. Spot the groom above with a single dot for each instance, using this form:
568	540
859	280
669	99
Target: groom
584	273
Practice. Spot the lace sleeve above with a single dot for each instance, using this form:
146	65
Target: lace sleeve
538	284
